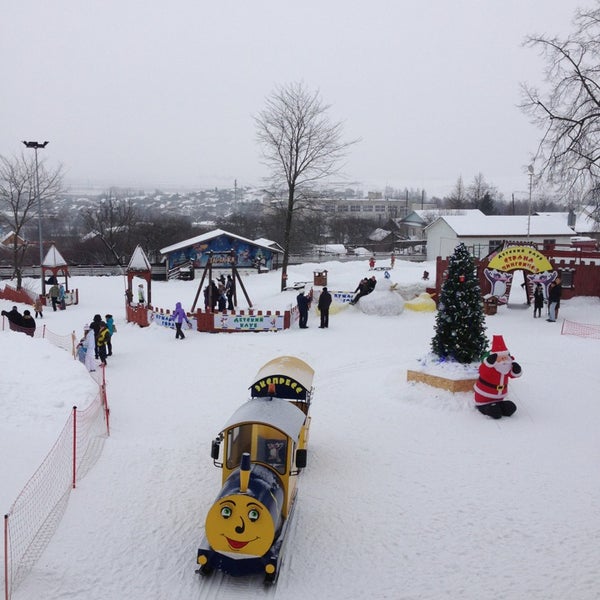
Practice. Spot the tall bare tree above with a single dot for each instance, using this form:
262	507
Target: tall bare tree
112	222
300	145
482	195
19	201
568	109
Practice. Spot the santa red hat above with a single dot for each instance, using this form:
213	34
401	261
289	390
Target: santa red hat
498	345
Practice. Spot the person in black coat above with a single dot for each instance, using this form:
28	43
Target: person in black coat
95	326
554	299
15	318
28	323
323	306
538	300
361	290
303	304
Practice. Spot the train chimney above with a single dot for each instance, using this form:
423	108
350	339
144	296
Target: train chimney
244	472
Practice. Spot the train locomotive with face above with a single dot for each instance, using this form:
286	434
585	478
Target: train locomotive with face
261	449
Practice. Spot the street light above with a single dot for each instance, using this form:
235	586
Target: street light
530	169
36	146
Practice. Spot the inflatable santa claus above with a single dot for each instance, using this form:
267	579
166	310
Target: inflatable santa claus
492	386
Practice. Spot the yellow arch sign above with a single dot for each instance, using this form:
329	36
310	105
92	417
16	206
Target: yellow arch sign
523	258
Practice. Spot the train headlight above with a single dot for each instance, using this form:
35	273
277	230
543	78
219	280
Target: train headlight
270	569
202	560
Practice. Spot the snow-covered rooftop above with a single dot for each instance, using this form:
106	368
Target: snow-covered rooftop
139	261
506	225
54	258
209	236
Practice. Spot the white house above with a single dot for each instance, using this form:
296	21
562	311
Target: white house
483	234
415	222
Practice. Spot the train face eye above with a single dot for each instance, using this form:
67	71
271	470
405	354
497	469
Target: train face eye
253	515
226	512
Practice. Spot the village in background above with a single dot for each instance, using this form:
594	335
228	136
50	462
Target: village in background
100	230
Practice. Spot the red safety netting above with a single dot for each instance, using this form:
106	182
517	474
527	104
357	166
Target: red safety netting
36	513
66	342
581	329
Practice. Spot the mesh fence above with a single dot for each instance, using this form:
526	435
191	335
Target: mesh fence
581	329
66	342
36	513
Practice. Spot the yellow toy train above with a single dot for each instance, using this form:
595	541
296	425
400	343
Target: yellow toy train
261	449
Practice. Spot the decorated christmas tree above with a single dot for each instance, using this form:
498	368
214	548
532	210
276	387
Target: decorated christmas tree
460	323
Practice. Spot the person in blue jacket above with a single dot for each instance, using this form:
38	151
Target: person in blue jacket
112	329
179	316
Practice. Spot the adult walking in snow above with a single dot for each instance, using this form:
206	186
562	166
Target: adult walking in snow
54	296
492	386
323	306
179	316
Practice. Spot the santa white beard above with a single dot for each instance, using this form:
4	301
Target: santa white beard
503	367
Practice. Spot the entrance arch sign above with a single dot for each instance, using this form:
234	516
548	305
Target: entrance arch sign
522	258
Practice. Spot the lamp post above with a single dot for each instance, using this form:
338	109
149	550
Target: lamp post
530	170
36	146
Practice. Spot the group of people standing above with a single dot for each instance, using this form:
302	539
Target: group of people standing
218	295
554	295
97	341
305	300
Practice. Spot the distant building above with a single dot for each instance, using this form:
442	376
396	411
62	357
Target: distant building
412	226
484	234
11	239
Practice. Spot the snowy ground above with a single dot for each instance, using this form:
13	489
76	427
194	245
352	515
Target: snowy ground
409	492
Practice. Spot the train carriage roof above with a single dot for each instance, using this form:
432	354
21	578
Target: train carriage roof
299	374
275	412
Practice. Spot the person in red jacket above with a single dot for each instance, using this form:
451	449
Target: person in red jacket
492	386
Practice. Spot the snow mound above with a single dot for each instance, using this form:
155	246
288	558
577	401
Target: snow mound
423	302
411	290
383	303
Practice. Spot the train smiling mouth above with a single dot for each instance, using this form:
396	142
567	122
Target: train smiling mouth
236	544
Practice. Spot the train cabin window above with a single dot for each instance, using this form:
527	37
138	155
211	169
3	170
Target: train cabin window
239	440
273	452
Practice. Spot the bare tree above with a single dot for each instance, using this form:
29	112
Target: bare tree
301	146
568	110
19	202
112	222
482	195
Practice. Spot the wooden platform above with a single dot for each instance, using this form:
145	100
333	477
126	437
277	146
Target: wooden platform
452	385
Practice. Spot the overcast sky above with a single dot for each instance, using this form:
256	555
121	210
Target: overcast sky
163	94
